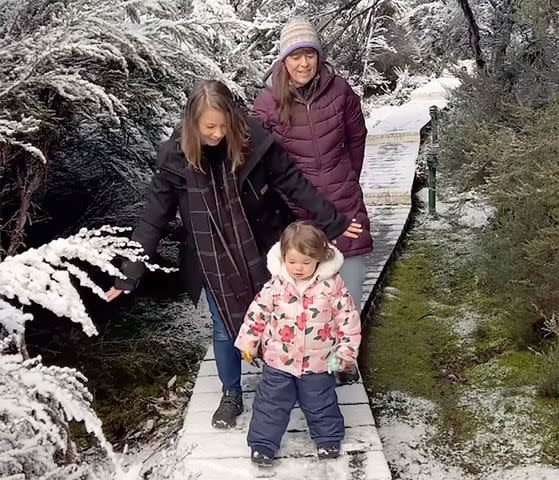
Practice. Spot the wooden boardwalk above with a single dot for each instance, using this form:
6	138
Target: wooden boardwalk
209	454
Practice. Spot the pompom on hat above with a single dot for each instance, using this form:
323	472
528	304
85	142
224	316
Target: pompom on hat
298	33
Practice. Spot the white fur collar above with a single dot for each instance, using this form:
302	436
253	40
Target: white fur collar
325	270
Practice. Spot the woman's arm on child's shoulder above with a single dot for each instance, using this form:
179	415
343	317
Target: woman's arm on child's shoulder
258	314
348	322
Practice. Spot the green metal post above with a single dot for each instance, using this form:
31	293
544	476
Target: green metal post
434	113
432	160
432	182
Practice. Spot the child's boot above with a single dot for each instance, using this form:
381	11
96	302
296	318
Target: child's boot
262	456
328	450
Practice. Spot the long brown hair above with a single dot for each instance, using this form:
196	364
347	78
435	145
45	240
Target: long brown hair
306	239
216	95
285	92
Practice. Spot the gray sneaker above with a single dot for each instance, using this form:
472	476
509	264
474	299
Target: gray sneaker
230	407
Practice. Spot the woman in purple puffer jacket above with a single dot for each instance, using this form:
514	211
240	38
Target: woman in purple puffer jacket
317	118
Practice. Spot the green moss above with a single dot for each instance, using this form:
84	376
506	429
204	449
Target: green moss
549	387
411	347
444	311
491	338
409	344
457	425
512	369
525	368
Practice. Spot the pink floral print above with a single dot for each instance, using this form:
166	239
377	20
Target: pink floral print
304	329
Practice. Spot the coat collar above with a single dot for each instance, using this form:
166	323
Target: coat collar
325	270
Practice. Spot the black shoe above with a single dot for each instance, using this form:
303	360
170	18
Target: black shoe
230	407
349	376
328	450
263	457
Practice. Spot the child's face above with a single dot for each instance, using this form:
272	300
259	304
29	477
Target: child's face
299	266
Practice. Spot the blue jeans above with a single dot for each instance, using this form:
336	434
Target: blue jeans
353	273
227	356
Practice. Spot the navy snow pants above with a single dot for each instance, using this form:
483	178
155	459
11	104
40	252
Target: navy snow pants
275	397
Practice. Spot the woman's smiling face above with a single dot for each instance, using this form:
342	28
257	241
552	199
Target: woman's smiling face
302	65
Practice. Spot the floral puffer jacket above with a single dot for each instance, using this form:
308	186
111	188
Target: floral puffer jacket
299	332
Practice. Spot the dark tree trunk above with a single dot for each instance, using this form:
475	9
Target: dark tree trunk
473	33
30	180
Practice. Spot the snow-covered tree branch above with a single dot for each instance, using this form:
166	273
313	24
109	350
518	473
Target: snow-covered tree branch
37	402
95	86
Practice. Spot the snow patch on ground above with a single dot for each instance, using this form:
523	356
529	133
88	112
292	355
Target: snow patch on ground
390	292
382	105
508	430
375	115
407	427
465	323
466	210
526	473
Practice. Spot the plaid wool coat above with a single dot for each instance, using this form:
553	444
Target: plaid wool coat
265	174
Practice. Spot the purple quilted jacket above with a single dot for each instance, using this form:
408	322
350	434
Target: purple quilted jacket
326	140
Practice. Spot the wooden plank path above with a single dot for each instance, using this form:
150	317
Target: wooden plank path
210	454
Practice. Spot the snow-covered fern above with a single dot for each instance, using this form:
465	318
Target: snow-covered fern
37	402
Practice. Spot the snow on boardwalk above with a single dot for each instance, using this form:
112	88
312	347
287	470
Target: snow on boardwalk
209	454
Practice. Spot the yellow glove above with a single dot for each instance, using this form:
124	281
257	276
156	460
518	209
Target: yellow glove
247	357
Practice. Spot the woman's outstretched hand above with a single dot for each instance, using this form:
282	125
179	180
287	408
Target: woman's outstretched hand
114	293
354	230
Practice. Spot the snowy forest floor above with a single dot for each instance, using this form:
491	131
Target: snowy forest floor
145	341
453	398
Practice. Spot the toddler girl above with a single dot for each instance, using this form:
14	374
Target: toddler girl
305	321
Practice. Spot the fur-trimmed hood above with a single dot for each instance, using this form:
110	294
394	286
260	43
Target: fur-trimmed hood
325	270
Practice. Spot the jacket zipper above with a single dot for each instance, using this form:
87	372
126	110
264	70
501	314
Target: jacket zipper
301	297
252	188
304	334
311	126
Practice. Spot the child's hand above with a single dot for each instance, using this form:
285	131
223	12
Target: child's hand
334	364
247	357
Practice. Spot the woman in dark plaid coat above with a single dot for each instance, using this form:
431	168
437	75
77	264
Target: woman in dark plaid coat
226	175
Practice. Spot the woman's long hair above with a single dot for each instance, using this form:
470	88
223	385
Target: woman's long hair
216	95
285	92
